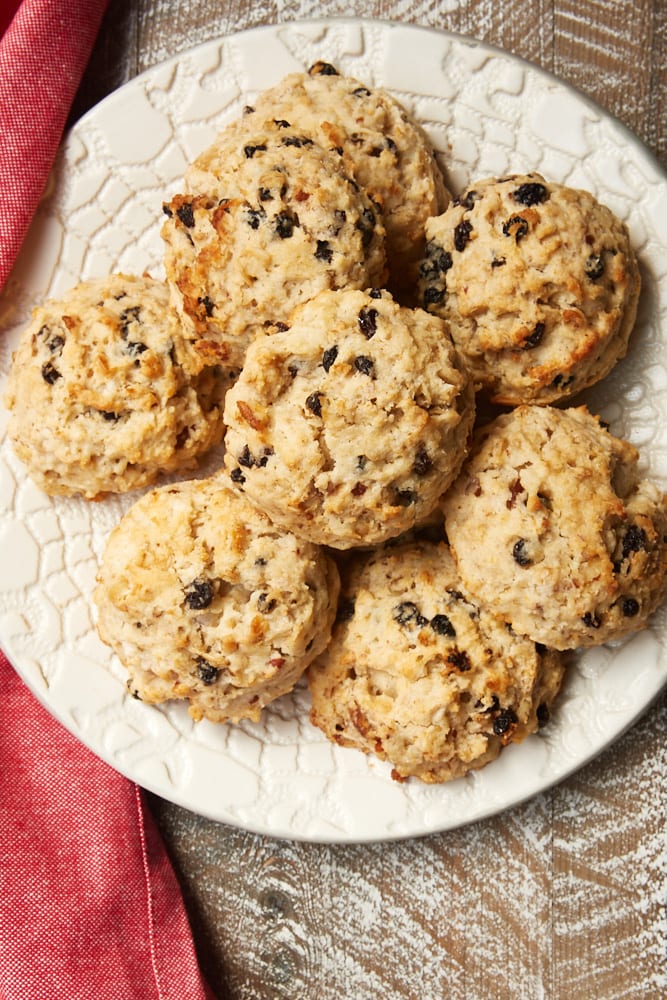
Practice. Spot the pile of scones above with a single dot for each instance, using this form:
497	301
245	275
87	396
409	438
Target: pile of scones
406	511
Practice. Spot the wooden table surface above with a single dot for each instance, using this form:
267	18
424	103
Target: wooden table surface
563	897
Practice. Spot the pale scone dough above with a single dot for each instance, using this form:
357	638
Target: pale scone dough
420	674
539	283
347	427
382	147
278	222
551	525
100	390
203	599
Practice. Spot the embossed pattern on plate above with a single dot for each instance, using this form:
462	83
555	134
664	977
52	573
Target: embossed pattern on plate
487	113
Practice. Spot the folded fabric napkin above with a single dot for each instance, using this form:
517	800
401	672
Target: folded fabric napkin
90	907
43	53
6	14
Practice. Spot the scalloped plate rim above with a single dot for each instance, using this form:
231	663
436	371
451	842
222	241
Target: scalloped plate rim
284	831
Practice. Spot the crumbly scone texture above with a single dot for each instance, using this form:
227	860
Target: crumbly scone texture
101	393
203	599
550	523
539	283
348	427
277	222
382	147
421	675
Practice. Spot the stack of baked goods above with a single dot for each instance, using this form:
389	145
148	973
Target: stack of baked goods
340	323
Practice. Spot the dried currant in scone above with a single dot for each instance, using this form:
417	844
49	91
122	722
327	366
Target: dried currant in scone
531	193
462	232
198	594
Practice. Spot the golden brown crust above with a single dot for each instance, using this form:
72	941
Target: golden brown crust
101	392
272	221
347	427
382	147
204	600
550	520
539	283
421	675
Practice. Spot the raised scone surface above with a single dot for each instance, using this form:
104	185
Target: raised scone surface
382	147
347	427
277	221
539	283
551	523
203	599
420	675
100	391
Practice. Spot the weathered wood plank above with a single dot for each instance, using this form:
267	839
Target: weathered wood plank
113	60
599	46
652	129
508	876
609	868
522	27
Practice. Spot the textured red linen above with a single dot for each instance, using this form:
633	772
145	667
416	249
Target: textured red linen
43	54
7	13
90	907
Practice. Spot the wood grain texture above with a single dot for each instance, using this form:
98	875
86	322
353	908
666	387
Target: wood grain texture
562	898
609	877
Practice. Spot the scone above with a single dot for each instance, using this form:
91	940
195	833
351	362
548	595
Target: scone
348	426
203	599
539	283
280	222
382	147
100	393
550	524
421	675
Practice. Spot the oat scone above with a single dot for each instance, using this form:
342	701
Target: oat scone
100	394
420	675
551	524
203	599
382	146
280	222
540	285
347	427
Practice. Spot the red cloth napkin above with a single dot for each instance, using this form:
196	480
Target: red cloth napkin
6	14
90	907
43	54
89	904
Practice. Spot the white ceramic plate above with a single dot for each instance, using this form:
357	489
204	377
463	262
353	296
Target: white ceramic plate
487	113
